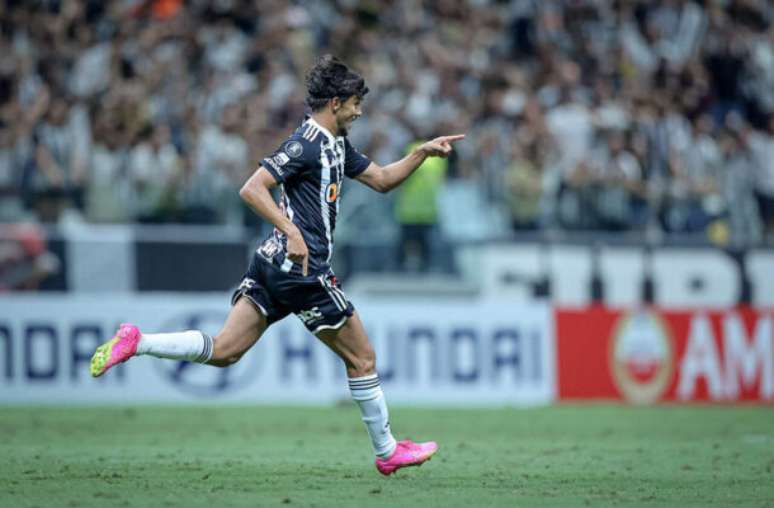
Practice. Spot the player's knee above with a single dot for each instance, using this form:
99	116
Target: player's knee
224	362
223	354
214	362
225	359
364	364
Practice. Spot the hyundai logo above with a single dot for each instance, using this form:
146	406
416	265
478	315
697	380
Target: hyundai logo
206	380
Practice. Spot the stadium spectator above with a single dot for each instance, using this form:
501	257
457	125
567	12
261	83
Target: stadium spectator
62	148
154	170
524	182
416	210
24	260
220	165
739	188
762	147
108	190
620	202
11	166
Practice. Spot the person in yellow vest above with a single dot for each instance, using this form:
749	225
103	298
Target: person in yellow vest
416	210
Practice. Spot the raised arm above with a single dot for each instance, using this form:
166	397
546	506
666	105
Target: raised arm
386	178
255	192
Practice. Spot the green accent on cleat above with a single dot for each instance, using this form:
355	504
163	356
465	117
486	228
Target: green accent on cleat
101	356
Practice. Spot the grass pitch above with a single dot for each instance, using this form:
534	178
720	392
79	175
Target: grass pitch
270	456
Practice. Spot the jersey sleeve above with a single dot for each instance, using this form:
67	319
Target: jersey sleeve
354	161
293	158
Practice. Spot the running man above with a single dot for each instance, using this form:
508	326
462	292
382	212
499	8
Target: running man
290	272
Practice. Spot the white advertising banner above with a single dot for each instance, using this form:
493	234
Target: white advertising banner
447	352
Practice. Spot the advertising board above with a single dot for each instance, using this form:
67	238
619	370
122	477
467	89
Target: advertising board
440	352
645	355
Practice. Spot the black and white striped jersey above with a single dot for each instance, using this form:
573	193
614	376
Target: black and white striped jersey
309	168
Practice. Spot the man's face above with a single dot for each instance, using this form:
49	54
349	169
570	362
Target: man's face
347	112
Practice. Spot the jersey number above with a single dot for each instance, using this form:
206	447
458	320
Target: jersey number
332	192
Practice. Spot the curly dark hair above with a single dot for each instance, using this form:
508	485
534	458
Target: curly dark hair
329	77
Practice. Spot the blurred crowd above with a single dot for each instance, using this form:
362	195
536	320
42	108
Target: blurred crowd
580	114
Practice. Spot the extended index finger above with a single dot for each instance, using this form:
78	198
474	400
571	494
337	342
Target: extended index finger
306	265
453	137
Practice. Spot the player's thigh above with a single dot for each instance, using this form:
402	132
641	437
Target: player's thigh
243	327
351	343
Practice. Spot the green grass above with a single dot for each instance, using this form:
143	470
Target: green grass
270	456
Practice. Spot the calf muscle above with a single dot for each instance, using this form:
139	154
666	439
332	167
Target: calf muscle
243	327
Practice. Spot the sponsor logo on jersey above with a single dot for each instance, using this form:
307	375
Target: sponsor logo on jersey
307	316
294	149
331	193
641	356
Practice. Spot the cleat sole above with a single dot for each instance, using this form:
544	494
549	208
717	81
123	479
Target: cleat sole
389	466
415	464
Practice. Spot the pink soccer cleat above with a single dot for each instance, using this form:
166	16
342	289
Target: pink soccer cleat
407	453
117	350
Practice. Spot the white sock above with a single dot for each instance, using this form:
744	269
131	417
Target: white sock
191	345
367	393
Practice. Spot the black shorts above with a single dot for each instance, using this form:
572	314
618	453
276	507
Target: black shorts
318	301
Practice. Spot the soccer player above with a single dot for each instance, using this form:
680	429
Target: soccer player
290	272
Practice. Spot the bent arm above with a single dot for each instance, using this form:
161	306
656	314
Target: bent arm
386	178
255	192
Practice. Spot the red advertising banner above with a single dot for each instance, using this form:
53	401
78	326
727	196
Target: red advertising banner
647	355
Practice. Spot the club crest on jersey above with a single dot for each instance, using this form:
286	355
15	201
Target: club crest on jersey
294	149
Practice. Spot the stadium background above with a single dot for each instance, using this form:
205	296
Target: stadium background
604	233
